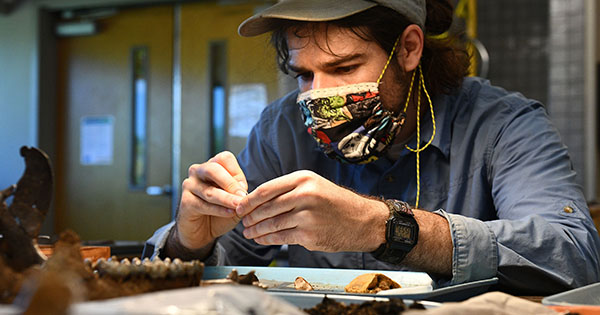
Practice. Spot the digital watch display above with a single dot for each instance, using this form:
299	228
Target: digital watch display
402	233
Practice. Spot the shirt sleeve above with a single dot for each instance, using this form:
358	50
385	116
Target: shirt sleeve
475	249
544	235
155	244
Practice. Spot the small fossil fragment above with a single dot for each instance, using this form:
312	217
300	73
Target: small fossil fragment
234	278
371	283
303	285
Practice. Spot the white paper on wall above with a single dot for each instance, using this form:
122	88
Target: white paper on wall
246	102
97	143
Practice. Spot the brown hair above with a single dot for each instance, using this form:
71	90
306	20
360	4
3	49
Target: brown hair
444	61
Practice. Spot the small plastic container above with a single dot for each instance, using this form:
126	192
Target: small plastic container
587	295
584	300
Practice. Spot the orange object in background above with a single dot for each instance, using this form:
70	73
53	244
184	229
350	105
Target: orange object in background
92	252
577	309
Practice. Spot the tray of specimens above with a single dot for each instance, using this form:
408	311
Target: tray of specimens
233	300
280	281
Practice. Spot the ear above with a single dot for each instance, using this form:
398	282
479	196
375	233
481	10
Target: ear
410	47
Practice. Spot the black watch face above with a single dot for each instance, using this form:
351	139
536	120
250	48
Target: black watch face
403	233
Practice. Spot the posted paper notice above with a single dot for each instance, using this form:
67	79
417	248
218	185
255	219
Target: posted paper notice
97	140
246	102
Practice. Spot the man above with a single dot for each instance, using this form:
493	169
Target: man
489	184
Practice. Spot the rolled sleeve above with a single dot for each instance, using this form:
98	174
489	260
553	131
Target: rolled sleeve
156	243
475	252
154	246
217	257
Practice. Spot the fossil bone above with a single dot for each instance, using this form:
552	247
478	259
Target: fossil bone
20	222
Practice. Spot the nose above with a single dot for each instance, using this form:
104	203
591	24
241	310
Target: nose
322	80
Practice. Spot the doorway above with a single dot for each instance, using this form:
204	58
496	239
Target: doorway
96	96
102	169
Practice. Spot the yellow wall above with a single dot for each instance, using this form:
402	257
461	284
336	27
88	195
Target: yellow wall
249	60
94	78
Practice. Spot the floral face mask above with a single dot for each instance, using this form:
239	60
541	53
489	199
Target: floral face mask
349	122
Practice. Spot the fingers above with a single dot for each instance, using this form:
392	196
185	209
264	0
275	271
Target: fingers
265	193
279	205
220	181
208	194
197	206
278	230
273	224
279	238
213	174
229	162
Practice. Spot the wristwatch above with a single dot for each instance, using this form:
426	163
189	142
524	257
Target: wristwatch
401	233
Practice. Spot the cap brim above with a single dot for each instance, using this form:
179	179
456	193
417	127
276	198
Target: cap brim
306	10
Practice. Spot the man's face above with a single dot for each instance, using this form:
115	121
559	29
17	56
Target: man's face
329	57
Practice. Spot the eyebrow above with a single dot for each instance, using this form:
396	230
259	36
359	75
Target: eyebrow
330	64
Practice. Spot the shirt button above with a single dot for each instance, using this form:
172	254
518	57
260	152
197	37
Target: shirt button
390	178
568	209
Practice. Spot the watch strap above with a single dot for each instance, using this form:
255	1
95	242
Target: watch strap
387	251
398	205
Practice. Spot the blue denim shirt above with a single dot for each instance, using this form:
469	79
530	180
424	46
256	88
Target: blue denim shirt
496	170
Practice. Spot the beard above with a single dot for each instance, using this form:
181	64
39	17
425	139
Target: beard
393	88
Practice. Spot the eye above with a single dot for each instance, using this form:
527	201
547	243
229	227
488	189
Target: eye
304	76
345	69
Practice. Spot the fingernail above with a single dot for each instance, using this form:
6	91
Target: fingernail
229	211
236	201
246	233
239	210
241	193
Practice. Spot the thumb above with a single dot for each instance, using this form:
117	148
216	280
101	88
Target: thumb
228	161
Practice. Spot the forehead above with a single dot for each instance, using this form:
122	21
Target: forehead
320	38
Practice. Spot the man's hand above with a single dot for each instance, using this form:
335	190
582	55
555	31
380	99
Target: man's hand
210	194
306	209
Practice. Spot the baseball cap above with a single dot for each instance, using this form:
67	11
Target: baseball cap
327	10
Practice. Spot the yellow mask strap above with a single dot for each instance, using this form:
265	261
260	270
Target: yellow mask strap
389	59
421	85
419	149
